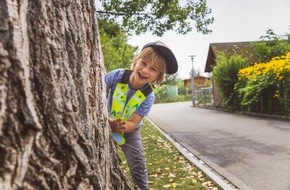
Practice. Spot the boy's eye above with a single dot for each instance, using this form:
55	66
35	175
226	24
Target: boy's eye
154	70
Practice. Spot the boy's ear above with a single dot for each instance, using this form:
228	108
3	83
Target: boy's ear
158	78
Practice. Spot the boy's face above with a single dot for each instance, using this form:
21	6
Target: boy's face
145	72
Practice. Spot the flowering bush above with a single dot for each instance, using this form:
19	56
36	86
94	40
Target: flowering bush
265	87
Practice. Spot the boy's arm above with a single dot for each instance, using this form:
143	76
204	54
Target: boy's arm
132	123
119	126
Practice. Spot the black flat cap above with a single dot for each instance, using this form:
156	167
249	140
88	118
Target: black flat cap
171	62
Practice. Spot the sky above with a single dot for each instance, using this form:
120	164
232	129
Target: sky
235	21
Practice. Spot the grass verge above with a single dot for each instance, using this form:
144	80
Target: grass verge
167	168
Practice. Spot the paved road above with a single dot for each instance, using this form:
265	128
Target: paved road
251	152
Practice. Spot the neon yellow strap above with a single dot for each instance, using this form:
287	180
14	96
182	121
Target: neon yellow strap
133	104
119	100
119	110
118	103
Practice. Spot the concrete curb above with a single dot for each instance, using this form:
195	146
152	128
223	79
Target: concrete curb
221	181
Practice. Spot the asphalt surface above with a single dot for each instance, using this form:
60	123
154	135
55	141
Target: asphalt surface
249	152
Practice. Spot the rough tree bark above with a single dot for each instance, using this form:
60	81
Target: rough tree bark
53	129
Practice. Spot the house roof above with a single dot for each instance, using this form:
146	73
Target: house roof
242	48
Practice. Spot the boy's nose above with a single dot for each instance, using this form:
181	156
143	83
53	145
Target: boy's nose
146	69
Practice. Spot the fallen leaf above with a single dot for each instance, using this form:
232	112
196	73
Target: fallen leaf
153	175
174	185
167	186
171	175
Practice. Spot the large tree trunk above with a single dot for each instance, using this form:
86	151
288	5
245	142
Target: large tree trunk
53	129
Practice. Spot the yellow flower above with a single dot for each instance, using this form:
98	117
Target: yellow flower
277	95
277	66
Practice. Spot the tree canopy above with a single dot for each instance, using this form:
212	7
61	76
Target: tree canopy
140	16
117	53
271	45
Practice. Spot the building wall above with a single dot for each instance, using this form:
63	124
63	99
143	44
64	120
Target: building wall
198	81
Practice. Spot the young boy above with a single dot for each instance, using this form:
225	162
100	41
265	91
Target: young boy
131	98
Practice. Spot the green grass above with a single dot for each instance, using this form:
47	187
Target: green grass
167	168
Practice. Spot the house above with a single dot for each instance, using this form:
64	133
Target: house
199	81
242	48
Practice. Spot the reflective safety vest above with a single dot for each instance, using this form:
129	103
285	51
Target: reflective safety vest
121	108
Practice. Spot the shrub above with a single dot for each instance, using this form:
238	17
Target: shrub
225	74
264	87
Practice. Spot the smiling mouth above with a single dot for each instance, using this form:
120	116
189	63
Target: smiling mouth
142	77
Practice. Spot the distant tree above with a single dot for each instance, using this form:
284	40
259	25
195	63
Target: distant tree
194	73
271	45
171	79
141	16
117	52
120	19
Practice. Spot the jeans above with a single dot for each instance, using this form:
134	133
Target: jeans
134	152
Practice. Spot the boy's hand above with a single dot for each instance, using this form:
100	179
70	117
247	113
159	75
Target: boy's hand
117	125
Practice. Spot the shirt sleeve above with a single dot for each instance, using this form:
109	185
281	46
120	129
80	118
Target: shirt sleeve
113	77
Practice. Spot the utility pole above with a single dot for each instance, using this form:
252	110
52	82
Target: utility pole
192	81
